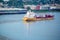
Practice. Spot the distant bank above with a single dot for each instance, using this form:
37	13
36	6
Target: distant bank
12	11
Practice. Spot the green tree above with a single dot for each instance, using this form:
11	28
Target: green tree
16	3
1	0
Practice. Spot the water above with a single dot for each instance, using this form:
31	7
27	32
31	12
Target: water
12	27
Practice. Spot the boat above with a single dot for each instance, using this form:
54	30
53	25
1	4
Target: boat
30	16
12	11
55	8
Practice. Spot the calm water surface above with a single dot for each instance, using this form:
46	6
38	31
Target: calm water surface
12	27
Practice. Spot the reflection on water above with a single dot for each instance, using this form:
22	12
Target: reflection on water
13	28
43	30
3	38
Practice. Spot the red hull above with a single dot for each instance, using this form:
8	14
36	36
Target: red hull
46	16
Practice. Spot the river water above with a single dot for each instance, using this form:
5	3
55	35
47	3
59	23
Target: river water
12	27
